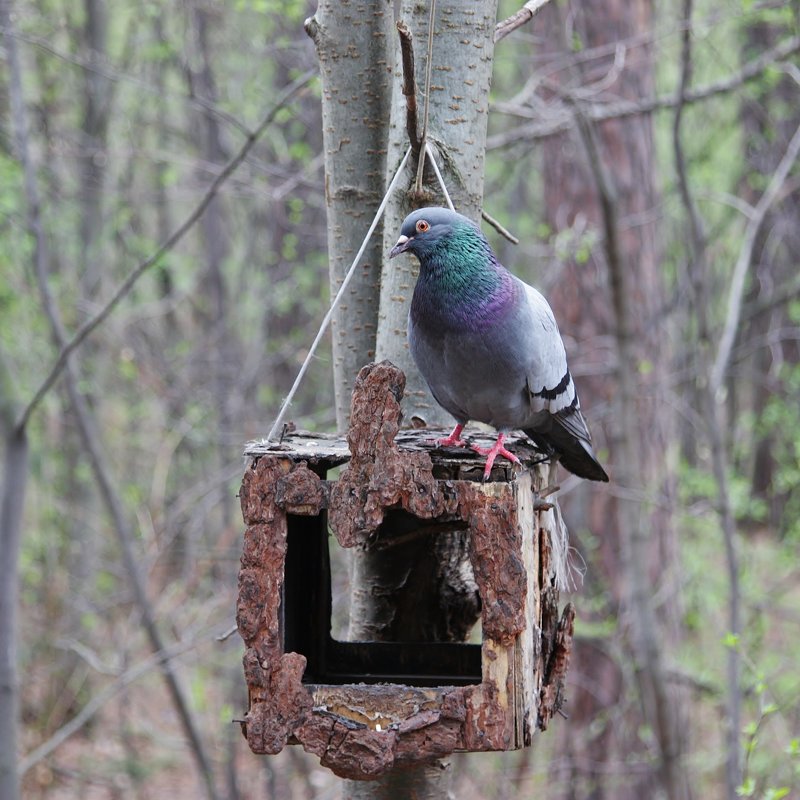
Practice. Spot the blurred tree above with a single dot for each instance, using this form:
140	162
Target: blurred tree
766	353
602	177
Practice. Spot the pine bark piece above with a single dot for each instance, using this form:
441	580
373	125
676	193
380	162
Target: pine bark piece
361	731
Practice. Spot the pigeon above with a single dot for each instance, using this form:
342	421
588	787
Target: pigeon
488	345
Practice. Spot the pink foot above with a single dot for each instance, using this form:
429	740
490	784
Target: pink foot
491	454
453	440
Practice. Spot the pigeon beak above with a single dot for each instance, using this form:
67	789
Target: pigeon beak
403	243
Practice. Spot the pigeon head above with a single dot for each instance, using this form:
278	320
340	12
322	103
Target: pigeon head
425	230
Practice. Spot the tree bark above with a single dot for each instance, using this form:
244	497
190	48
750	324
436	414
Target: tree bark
97	94
604	173
768	122
442	603
12	502
352	41
461	70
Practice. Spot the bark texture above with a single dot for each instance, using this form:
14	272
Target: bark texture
352	38
461	70
602	176
12	501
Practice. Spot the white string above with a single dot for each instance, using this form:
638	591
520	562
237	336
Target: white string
429	151
326	321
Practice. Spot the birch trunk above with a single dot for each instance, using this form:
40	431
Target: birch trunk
463	49
358	50
352	41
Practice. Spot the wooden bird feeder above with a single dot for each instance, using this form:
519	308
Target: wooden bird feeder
365	707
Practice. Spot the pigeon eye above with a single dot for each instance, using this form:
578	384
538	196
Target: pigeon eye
422	226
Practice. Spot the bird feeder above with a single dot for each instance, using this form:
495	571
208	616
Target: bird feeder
366	707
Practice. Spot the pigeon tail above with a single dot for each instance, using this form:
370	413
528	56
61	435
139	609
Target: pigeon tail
566	436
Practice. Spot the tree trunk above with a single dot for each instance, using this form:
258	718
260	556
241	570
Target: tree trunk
461	70
768	120
12	499
606	174
97	94
461	67
353	42
12	502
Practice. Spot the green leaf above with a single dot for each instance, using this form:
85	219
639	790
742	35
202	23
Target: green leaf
731	640
776	794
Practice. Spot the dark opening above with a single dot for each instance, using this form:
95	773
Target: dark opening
307	627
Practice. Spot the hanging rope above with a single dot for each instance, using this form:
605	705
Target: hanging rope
326	321
426	151
429	153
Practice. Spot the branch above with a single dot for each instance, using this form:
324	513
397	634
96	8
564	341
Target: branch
498	226
409	85
518	18
128	677
659	710
89	326
699	274
563	119
427	106
770	196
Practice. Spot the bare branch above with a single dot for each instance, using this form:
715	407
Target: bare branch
699	275
660	711
518	18
90	325
427	105
771	194
562	119
98	700
409	85
499	227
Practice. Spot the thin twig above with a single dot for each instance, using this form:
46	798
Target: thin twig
90	325
599	112
409	85
765	203
518	19
225	635
98	700
499	227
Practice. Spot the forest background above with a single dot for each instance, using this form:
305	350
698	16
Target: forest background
124	123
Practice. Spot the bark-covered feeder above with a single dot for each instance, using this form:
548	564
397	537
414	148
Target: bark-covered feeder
365	707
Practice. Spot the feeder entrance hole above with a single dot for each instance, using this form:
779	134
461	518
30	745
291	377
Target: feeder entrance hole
315	563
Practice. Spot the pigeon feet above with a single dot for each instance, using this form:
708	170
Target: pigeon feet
491	454
453	440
